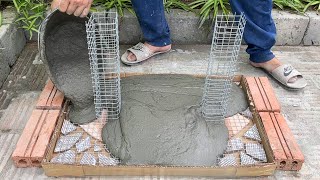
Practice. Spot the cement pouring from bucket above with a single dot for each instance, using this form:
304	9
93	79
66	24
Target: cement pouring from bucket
64	51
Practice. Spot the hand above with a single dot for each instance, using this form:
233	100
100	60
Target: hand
76	7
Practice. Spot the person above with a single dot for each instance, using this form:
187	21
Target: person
259	34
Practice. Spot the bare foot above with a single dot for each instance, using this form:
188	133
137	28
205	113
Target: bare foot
270	66
131	57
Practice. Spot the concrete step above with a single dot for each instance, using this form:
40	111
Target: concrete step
292	29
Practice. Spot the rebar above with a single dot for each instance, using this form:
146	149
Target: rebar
103	45
227	37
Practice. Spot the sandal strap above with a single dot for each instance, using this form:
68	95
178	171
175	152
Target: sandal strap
140	51
285	72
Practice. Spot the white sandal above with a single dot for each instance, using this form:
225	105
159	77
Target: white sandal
141	52
285	72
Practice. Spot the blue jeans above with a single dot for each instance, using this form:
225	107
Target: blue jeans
259	34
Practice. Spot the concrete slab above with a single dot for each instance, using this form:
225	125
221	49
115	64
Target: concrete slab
129	29
184	27
12	39
312	35
290	27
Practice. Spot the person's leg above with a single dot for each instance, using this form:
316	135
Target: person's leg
260	32
155	29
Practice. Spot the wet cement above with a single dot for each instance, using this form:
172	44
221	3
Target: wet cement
161	124
66	56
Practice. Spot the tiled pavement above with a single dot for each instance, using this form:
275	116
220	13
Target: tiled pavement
301	108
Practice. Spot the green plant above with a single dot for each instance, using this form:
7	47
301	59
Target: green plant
175	4
30	12
296	5
120	5
210	8
314	3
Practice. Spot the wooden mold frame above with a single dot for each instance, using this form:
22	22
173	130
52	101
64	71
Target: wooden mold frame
263	169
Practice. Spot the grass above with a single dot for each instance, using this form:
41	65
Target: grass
315	4
210	8
30	12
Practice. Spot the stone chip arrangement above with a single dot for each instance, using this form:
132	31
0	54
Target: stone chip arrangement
76	145
244	145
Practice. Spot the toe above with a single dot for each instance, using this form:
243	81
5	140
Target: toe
293	79
131	57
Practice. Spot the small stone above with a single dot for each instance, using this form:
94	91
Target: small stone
235	145
67	157
66	142
253	134
83	145
24	77
228	160
96	147
67	127
256	151
88	159
107	161
246	159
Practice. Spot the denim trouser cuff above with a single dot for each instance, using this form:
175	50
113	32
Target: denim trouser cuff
262	56
160	43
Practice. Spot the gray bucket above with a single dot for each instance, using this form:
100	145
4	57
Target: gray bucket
63	49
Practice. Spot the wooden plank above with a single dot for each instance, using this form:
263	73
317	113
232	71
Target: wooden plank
287	153
263	96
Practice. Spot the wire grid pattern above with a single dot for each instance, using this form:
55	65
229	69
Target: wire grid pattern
242	151
81	144
222	65
103	45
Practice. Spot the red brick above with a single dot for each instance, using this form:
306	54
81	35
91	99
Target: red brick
287	153
272	99
263	96
50	98
31	147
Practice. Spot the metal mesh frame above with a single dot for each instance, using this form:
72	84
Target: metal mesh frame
222	65
103	45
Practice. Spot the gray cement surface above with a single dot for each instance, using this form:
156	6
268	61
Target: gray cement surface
312	35
301	108
161	115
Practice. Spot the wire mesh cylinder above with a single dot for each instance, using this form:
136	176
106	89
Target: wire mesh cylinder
103	45
222	65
